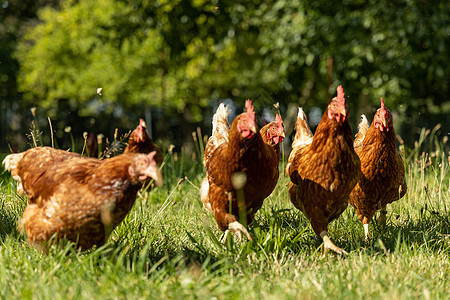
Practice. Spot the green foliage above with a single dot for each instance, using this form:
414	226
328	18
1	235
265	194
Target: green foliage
14	16
181	54
83	47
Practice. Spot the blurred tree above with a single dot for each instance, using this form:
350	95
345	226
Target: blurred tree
397	50
15	16
180	55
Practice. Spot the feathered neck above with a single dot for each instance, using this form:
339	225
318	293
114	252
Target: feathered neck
384	138
236	142
330	129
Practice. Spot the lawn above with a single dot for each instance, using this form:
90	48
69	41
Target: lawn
167	247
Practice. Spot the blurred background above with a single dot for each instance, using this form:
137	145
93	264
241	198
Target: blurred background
172	62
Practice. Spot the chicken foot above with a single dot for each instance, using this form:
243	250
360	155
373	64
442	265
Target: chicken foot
238	229
328	244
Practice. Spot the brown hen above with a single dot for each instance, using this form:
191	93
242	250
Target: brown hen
78	198
382	180
242	170
272	134
323	169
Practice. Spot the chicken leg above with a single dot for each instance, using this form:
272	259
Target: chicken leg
365	222
366	231
382	218
238	180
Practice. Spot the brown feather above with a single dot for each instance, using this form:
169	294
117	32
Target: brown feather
382	179
73	196
324	172
249	155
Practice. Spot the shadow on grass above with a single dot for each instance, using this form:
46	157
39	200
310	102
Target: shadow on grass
286	228
430	232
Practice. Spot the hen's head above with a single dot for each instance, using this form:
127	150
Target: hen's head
139	139
383	118
140	133
144	167
247	121
338	109
275	132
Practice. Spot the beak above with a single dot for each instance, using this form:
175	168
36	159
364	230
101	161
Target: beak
253	129
283	134
156	175
158	178
140	135
384	124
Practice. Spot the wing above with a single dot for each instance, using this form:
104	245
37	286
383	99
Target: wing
27	167
363	127
42	169
219	168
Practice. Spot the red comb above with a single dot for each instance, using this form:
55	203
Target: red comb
250	109
340	94
383	110
279	120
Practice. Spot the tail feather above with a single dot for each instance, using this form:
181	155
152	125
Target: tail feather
219	131
12	161
363	127
220	125
303	135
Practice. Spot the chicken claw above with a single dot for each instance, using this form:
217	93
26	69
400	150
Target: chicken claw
225	236
328	244
238	229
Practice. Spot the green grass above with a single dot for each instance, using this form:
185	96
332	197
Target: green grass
167	247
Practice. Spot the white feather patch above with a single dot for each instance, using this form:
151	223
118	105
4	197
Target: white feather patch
363	124
11	161
204	188
303	134
220	125
363	127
